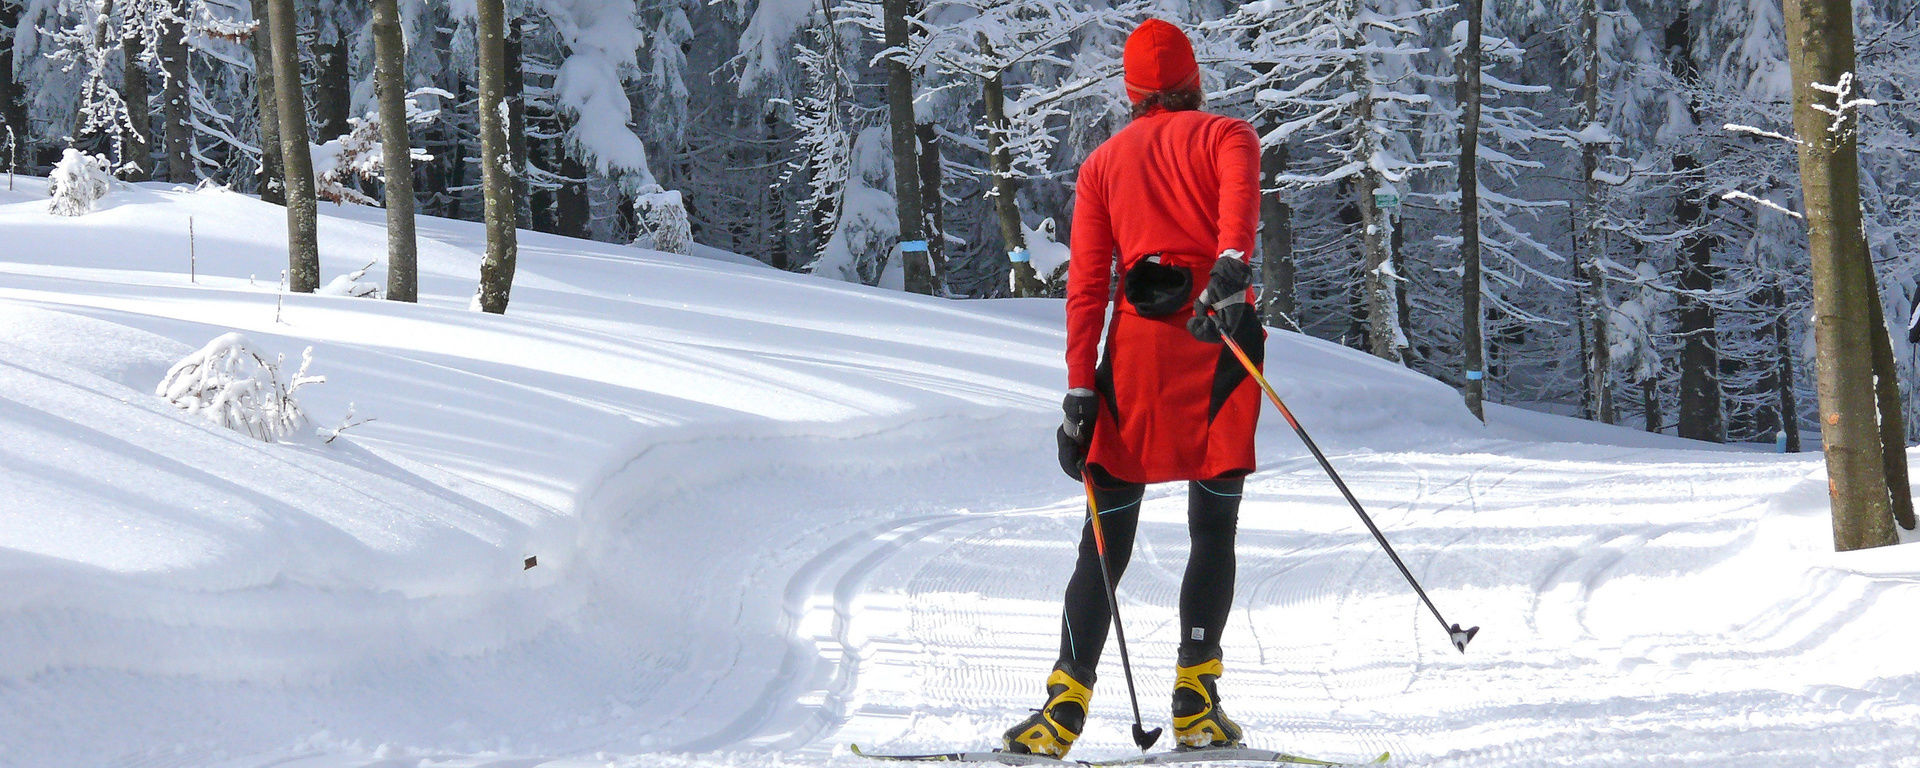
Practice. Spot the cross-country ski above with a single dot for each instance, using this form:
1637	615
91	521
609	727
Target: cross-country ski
1215	755
1076	384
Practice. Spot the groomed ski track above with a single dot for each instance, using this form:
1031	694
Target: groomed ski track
776	515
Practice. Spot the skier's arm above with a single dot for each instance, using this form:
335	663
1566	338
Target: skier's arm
1089	275
1239	165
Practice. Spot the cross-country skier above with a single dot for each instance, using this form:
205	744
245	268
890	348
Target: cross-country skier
1172	201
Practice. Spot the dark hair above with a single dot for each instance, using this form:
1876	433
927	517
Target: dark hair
1185	100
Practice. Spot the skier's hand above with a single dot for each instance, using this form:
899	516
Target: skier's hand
1224	298
1082	409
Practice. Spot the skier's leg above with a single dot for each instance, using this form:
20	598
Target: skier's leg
1086	620
1206	594
1052	729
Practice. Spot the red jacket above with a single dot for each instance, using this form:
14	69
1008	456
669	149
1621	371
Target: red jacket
1185	185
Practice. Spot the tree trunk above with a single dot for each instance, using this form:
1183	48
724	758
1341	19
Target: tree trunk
14	133
1701	415
1820	47
496	158
1026	282
1650	403
574	215
303	245
332	89
390	89
1787	404
1592	239
137	162
1276	245
1893	419
931	209
1469	95
273	182
517	124
914	255
1377	284
176	106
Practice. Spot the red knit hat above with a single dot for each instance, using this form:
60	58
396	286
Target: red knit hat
1159	58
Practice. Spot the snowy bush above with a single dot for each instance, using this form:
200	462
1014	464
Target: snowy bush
232	385
78	180
660	222
350	284
341	163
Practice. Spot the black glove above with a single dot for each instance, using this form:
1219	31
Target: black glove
1225	294
1082	408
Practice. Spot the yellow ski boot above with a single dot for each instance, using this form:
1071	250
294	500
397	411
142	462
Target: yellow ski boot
1198	720
1052	729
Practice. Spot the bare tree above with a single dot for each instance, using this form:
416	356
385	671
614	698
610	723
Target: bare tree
916	264
1470	333
1820	46
138	163
496	159
273	181
303	243
390	88
1591	237
175	109
1006	189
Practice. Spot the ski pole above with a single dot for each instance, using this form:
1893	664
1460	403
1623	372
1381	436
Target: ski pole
1459	636
1141	735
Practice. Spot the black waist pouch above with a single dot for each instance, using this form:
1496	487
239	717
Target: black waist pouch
1156	289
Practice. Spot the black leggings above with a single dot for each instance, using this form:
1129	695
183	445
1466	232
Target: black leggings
1206	593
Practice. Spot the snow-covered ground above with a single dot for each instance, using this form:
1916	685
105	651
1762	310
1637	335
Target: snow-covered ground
775	514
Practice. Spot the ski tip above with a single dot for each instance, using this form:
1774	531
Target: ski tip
1384	756
1462	636
856	750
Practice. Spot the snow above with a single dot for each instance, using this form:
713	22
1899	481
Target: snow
775	514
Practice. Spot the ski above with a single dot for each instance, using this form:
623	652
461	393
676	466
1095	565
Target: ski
1230	755
1003	758
1193	756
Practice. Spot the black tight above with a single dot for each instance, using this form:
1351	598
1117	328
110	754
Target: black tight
1206	592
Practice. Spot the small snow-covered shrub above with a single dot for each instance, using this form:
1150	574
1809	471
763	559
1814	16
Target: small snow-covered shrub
660	222
230	384
350	284
346	160
78	180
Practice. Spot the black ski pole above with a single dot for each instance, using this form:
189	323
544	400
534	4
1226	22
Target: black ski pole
1141	735
1459	636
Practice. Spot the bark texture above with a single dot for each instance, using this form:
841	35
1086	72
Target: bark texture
1591	238
176	110
915	265
496	159
273	181
1820	47
1025	282
390	89
137	162
1470	317
303	244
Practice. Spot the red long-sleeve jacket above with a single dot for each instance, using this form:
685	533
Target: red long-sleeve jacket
1185	185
